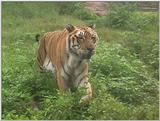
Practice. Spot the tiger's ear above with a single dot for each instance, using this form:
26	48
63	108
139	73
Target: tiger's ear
93	26
70	27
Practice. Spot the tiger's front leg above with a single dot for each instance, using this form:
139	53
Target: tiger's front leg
85	83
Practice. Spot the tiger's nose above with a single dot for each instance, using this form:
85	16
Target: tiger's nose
91	50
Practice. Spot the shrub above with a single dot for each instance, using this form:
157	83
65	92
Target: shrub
145	49
142	21
66	8
120	82
119	14
123	76
126	16
76	9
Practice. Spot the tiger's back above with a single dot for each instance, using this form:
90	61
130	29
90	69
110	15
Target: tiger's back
50	50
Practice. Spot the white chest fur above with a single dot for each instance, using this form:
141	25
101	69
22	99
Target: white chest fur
73	70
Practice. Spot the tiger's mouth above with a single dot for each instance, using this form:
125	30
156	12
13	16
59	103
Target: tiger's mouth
88	55
83	54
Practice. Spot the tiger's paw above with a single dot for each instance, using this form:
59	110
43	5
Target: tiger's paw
85	99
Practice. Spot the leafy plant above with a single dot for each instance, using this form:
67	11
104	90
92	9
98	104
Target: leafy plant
120	14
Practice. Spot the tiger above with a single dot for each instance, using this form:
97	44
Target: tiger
68	53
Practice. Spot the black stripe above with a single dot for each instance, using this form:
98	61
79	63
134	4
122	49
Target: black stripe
80	73
81	79
69	42
78	41
74	45
66	72
40	66
48	62
73	42
39	60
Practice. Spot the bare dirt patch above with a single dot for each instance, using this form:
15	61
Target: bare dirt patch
100	8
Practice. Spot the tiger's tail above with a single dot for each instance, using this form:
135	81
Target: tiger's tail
37	37
41	53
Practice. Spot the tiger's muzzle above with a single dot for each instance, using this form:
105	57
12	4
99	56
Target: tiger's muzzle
89	53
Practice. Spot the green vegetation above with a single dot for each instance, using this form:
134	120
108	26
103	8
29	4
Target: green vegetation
123	72
75	9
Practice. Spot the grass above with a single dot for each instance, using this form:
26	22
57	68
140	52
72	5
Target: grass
124	79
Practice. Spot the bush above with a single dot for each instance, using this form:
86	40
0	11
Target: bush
142	21
125	16
120	82
146	49
123	73
76	9
67	8
119	14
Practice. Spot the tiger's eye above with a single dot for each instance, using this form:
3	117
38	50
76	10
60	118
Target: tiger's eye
92	37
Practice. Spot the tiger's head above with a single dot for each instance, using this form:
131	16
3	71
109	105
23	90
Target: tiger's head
82	41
